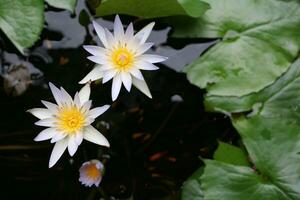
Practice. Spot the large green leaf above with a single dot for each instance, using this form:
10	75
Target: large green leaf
22	21
63	4
274	147
152	8
191	189
260	39
280	99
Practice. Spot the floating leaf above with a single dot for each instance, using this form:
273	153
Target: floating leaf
260	39
191	189
63	4
231	154
22	21
152	8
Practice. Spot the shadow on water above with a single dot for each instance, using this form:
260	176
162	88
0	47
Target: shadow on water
155	144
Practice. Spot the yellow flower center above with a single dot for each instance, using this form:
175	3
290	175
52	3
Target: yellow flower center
122	58
71	119
93	172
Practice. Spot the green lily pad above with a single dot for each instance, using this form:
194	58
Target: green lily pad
152	8
22	21
63	4
191	189
259	41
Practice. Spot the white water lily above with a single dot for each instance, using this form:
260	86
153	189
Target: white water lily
122	57
68	122
91	173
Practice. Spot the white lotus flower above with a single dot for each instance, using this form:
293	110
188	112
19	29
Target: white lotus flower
91	173
122	57
68	121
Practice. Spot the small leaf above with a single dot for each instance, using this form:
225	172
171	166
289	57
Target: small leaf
230	154
22	21
63	4
152	8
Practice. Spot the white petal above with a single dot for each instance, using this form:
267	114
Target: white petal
53	108
136	73
84	93
78	138
95	74
72	145
45	134
109	74
65	95
95	112
97	59
95	50
126	79
152	58
129	32
143	48
92	135
118	29
86	106
146	66
58	136
100	32
142	86
48	122
41	113
143	34
106	67
110	39
57	151
116	87
56	94
77	100
88	121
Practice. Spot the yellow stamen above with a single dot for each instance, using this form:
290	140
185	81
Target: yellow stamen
122	58
71	119
93	172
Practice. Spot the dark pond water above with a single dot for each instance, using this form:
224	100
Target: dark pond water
155	144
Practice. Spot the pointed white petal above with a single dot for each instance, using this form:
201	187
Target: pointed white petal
106	67
78	138
88	121
41	113
77	100
56	93
142	86
97	59
110	39
95	50
118	29
116	87
126	79
86	106
100	32
136	73
58	136
109	74
146	66
48	122
143	48
57	151
84	93
152	58
53	108
129	32
65	95
45	134
95	112
72	145
93	135
143	34
95	74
